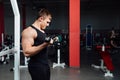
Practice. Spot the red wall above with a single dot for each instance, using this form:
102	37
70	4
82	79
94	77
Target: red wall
74	33
1	20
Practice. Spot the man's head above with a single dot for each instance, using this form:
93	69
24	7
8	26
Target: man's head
44	17
43	13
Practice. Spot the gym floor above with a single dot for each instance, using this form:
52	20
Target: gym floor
85	72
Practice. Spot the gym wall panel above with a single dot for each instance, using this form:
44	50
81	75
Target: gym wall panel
101	15
74	32
1	20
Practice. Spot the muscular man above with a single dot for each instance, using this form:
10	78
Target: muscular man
34	44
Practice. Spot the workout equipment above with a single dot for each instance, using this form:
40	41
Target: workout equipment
106	60
6	51
16	39
53	38
58	58
25	62
2	57
2	39
22	66
89	39
16	48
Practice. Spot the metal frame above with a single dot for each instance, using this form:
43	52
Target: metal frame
88	46
2	39
16	39
58	59
103	68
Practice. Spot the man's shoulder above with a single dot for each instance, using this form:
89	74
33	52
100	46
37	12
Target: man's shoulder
29	31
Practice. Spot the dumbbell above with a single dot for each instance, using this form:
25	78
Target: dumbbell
52	39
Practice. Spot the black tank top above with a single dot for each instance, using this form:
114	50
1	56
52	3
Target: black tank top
41	57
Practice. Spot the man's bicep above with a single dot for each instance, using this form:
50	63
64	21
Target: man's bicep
27	40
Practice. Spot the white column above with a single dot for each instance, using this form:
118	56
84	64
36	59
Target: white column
16	39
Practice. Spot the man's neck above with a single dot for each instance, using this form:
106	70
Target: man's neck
36	24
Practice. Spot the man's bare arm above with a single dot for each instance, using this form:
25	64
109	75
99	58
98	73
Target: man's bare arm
27	44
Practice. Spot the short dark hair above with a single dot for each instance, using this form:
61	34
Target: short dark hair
43	12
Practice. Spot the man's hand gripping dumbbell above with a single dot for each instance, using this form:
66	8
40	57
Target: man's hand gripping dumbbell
51	40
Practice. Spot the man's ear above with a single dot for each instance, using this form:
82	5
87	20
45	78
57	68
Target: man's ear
40	18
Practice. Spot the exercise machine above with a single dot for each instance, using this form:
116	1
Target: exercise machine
89	37
6	51
25	62
58	64
106	61
16	39
58	53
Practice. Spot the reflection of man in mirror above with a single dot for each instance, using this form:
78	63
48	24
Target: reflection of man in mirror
114	40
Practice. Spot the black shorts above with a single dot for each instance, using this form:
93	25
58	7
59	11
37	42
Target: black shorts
39	72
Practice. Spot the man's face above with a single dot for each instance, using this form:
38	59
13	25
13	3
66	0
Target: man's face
45	22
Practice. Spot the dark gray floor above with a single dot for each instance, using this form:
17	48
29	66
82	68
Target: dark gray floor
58	73
85	72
